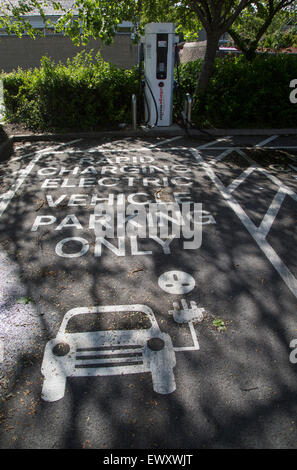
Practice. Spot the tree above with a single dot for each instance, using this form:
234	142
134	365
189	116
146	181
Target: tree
13	16
251	26
99	19
217	17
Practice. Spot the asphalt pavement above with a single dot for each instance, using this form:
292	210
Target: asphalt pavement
148	294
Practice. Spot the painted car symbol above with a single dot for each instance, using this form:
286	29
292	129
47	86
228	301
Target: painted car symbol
108	352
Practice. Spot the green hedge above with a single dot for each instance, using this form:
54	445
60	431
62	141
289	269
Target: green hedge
245	94
88	94
85	94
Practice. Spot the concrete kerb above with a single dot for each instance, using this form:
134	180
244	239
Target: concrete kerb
6	147
158	132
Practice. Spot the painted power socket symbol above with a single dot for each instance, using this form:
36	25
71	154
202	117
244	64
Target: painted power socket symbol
176	282
186	314
108	352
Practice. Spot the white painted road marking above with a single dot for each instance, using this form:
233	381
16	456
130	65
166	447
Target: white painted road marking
186	313
8	196
266	141
176	282
277	147
209	144
255	232
2	106
46	150
195	346
222	155
238	181
163	142
272	212
1	351
152	352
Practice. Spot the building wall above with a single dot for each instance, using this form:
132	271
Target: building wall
26	52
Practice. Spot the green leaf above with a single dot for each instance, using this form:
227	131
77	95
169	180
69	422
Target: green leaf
24	300
219	324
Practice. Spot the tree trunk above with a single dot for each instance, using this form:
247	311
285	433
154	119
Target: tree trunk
208	63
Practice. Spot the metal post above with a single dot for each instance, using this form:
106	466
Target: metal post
134	112
188	109
186	106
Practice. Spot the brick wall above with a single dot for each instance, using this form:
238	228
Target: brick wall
27	52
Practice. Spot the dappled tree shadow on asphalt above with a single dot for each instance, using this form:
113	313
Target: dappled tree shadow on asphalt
237	391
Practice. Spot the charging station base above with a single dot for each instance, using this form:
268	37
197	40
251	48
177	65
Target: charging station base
175	129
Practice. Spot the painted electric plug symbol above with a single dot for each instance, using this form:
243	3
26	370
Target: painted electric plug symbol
186	314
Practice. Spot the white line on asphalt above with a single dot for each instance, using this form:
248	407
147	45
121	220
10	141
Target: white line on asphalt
1	351
129	150
221	156
292	167
293	158
272	212
277	147
259	238
209	144
266	141
148	149
163	142
273	178
194	338
48	149
237	182
104	147
8	196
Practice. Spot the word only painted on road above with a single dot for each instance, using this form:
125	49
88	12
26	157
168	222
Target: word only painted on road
158	222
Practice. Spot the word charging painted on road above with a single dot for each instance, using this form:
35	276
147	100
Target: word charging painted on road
107	172
118	222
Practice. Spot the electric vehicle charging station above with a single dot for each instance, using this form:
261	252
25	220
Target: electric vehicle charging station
159	45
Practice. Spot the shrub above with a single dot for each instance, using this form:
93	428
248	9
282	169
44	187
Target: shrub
245	94
282	39
89	94
85	94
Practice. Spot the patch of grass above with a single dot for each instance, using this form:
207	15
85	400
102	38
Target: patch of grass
219	324
24	300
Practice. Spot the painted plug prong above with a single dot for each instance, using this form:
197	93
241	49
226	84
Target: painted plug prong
187	313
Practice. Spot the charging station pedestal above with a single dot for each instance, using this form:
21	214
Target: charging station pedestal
159	57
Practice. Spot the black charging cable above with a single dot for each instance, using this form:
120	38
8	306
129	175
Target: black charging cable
155	103
142	84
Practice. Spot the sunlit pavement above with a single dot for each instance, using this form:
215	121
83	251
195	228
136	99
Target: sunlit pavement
149	342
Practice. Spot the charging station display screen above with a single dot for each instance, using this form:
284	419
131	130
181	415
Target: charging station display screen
162	52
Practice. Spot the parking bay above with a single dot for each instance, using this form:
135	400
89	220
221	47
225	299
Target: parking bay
229	388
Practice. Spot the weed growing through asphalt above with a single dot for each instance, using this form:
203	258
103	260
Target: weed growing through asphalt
219	324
